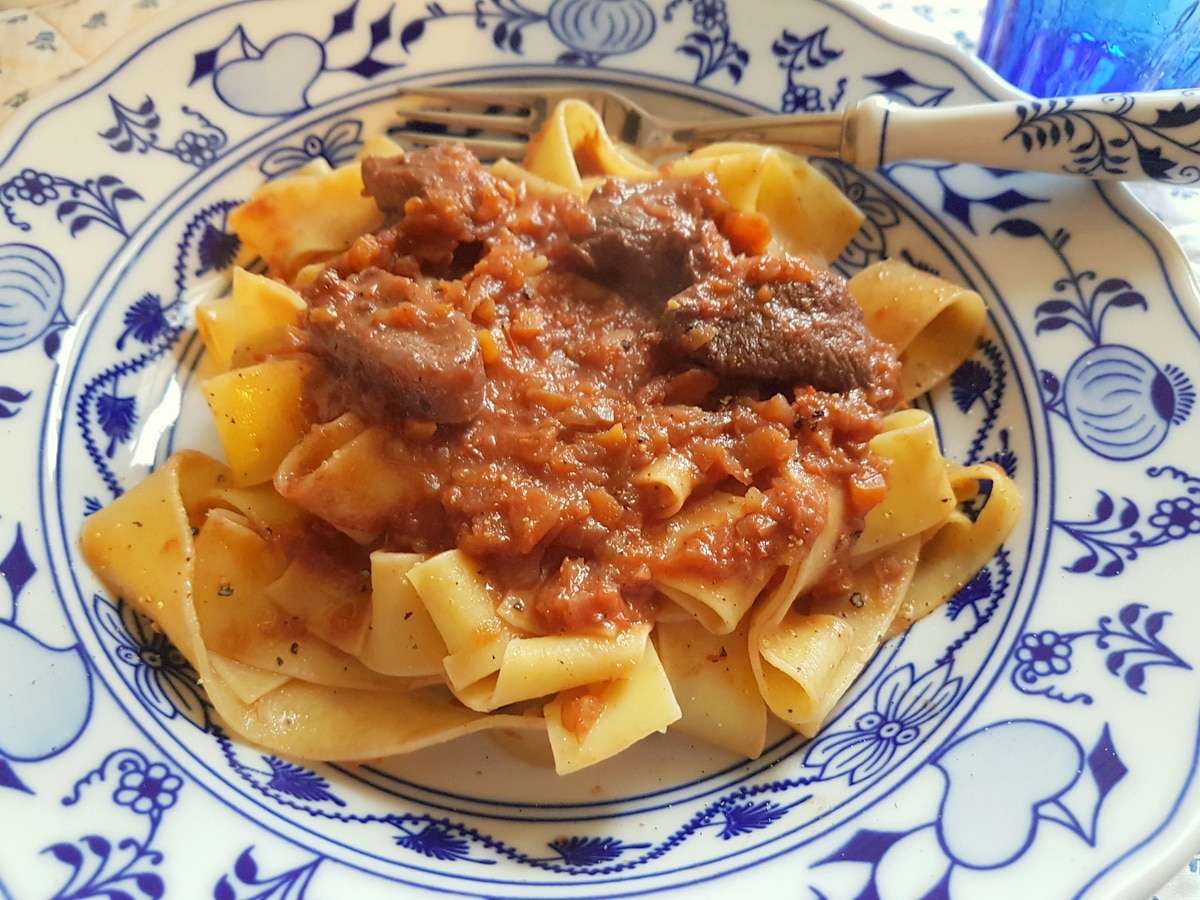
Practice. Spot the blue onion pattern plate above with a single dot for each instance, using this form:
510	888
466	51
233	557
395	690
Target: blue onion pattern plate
1037	735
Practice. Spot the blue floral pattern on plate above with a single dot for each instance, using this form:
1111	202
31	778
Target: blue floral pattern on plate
1006	730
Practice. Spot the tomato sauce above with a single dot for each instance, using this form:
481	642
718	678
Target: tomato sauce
525	354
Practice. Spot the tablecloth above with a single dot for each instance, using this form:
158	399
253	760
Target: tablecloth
43	41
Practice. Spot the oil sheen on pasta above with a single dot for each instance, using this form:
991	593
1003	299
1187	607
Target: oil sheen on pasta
567	374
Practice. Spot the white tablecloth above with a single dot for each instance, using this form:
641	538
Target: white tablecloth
42	41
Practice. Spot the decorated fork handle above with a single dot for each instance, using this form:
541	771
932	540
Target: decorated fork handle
1145	137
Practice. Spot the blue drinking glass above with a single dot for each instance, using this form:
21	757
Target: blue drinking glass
1060	48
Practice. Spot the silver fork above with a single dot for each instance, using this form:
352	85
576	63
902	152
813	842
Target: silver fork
1149	136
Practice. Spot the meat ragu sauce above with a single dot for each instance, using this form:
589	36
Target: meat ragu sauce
531	355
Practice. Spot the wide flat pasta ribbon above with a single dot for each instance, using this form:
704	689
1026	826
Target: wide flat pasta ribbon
933	323
412	649
151	560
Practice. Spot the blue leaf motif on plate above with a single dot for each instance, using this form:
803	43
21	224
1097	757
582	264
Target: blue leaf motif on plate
801	57
79	203
116	416
742	818
273	79
1115	533
1119	403
585	852
17	568
138	129
436	841
287	885
146	321
1110	141
123	871
297	781
10	400
1131	645
712	44
960	205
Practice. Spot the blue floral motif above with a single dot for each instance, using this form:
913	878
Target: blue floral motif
1108	141
288	885
1117	401
969	383
137	129
711	44
43	40
34	187
801	58
1176	517
102	870
164	680
1115	535
1131	646
79	204
905	706
148	791
336	146
1041	653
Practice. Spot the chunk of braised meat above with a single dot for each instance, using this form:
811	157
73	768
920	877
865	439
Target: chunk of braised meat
442	205
781	321
651	239
398	344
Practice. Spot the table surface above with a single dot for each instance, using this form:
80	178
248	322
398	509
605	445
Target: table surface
43	41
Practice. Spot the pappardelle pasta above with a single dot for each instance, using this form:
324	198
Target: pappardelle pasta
580	448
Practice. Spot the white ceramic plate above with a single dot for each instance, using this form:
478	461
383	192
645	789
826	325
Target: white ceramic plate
1036	737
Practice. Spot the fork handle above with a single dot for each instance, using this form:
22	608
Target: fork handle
1149	136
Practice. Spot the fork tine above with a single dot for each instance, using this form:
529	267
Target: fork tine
481	121
511	98
484	148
